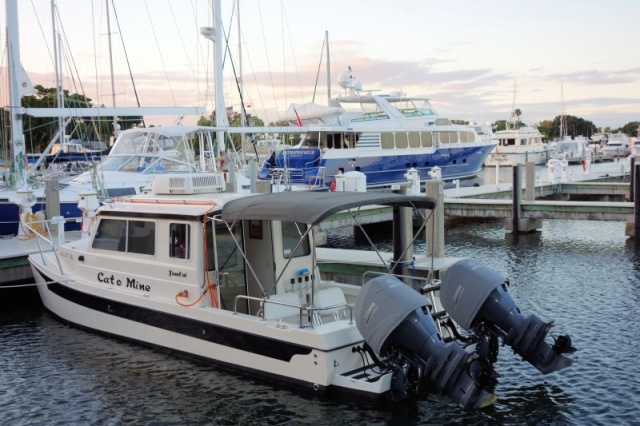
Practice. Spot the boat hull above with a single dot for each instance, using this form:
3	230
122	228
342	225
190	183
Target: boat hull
380	169
511	158
281	352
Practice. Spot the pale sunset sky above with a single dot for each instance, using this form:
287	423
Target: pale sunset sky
466	56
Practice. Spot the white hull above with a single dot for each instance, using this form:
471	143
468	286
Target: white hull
270	346
233	279
511	158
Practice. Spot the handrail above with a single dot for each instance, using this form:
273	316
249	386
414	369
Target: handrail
339	305
264	300
48	238
302	308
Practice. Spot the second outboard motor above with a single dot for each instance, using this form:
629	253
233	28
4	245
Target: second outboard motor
474	295
396	324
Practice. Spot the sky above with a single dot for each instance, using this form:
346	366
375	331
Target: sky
475	60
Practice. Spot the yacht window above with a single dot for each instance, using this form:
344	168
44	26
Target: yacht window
464	137
427	139
444	137
291	233
386	141
180	244
414	140
401	140
453	137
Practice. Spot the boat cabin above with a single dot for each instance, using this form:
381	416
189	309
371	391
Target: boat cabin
189	252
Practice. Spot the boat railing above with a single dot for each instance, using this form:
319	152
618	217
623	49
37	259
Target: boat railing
318	180
44	235
274	302
303	310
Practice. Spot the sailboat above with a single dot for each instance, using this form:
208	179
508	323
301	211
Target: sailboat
572	149
517	144
16	180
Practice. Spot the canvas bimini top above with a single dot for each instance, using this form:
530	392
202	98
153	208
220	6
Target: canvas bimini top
312	207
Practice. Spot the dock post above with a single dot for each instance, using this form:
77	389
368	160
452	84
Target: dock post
231	178
632	171
530	182
434	236
253	174
402	235
517	197
636	204
52	201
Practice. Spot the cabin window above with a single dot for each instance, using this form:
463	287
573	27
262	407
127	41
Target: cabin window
427	139
111	235
180	243
414	140
133	236
120	192
444	137
386	141
141	237
350	140
401	140
291	233
453	137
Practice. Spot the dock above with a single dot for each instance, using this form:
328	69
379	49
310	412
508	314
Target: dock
588	197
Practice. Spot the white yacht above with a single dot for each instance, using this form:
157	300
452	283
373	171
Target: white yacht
234	279
574	150
379	135
618	145
518	146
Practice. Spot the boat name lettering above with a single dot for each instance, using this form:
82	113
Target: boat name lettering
65	254
177	274
130	282
300	152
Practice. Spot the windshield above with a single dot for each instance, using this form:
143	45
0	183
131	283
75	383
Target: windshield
144	164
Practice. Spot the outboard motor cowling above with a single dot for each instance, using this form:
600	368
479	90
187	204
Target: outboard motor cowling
473	295
396	323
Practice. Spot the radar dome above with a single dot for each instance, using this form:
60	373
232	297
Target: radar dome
344	78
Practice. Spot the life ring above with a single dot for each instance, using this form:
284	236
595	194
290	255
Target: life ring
332	188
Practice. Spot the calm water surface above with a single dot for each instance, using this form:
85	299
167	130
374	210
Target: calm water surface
585	275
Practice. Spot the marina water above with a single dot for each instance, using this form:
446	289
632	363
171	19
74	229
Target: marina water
584	275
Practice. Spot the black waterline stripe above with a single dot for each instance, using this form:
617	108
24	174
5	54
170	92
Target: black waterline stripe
240	340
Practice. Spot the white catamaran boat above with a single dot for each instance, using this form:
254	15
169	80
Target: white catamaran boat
234	279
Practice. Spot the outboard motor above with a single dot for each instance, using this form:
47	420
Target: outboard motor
397	326
476	297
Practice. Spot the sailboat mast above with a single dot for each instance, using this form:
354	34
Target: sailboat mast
113	84
326	36
221	111
17	178
243	112
57	62
563	119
